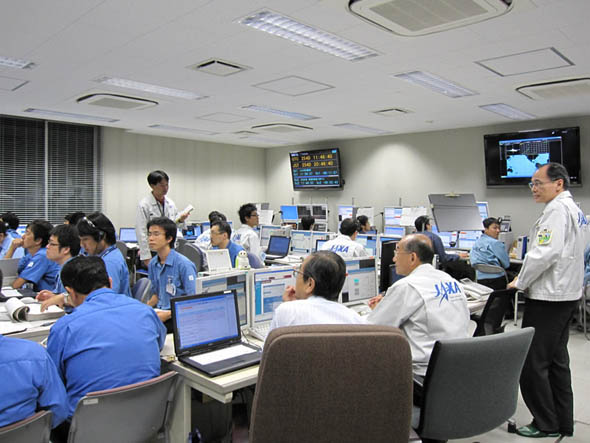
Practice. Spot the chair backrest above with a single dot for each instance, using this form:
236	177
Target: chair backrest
180	242
34	429
132	413
255	261
123	248
193	253
333	383
142	290
471	384
490	269
490	321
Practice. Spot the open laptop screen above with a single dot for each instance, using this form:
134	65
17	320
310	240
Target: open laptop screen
202	320
278	245
127	235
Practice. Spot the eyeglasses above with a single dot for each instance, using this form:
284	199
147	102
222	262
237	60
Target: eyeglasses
297	271
539	184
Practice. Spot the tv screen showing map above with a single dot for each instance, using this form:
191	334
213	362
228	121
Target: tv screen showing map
512	158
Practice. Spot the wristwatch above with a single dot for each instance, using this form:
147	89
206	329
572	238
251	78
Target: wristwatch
66	296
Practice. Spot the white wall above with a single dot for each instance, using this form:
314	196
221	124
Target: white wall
380	171
207	175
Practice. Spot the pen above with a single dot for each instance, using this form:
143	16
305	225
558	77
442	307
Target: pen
48	323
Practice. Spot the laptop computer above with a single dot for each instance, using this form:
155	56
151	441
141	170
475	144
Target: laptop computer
9	270
127	235
278	247
207	333
218	260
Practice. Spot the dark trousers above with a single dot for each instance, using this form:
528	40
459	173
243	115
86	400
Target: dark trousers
545	381
494	283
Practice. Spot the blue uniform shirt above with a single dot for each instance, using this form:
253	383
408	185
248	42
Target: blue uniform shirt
30	382
8	239
178	276
489	251
234	249
39	270
108	341
117	269
13	233
439	248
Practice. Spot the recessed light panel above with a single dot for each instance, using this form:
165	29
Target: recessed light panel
181	129
360	128
69	115
147	87
525	62
293	86
436	84
16	63
507	111
295	115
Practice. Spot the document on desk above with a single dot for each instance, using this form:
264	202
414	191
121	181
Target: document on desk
8	327
10	292
221	354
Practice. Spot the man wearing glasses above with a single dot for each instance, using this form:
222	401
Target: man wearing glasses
246	237
552	275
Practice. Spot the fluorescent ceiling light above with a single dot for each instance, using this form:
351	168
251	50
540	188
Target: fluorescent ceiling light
147	87
16	63
361	128
436	84
266	140
287	28
50	113
295	115
178	128
507	111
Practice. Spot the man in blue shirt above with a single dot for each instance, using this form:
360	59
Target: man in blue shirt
35	267
108	341
12	221
171	273
6	240
220	239
489	250
30	382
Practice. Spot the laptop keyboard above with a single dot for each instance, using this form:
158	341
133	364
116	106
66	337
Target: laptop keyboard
260	331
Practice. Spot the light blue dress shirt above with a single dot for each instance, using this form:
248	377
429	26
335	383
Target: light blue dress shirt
18	253
30	382
176	277
39	270
489	251
108	341
117	269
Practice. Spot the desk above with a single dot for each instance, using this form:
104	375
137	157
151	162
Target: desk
219	388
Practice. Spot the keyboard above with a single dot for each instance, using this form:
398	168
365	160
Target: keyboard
260	331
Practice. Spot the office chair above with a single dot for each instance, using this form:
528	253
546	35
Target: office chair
134	413
490	321
194	254
333	383
142	290
471	384
33	429
255	262
180	242
493	269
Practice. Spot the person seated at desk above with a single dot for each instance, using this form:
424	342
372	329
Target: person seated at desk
427	304
220	239
344	244
6	240
246	237
489	250
307	222
364	225
31	382
203	241
108	341
35	267
73	218
12	221
171	273
314	298
98	237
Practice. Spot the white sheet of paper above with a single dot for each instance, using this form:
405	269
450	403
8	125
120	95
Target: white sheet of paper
221	354
9	292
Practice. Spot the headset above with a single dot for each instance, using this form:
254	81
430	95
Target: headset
101	233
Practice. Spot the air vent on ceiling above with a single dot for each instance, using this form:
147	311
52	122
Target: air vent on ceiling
244	134
392	112
419	17
218	67
117	101
281	127
574	87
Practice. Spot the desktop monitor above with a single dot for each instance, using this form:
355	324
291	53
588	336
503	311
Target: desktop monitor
303	210
448	238
346	212
265	232
394	231
361	280
369	242
127	235
301	242
320	226
319	243
392	215
289	213
205	226
236	280
319	212
315	236
467	239
191	232
483	210
386	278
381	238
268	286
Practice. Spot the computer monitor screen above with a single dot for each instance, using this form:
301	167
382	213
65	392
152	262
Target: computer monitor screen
392	215
322	236
234	280
319	243
320	211
345	212
301	242
387	253
447	238
289	213
320	226
369	242
265	232
318	169
269	285
303	210
468	238
127	235
483	210
278	245
205	226
361	280
395	231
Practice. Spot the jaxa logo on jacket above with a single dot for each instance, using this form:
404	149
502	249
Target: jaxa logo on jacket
339	248
444	289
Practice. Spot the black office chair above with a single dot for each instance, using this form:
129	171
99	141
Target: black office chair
490	321
194	254
34	429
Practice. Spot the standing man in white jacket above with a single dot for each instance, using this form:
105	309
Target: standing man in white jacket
154	205
552	274
246	236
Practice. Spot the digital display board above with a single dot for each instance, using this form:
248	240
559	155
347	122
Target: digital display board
316	169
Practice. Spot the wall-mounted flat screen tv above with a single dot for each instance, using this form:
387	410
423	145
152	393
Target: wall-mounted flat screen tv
320	169
512	158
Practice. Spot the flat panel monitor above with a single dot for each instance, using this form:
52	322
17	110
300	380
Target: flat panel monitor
319	212
395	231
387	254
467	239
221	282
303	210
320	169
392	215
345	211
369	242
512	158
361	280
320	226
191	232
205	226
315	236
448	238
127	235
319	243
268	286
483	210
301	242
265	233
289	213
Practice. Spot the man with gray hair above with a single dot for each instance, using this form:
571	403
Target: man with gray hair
552	275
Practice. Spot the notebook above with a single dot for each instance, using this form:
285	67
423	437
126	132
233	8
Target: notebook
127	235
207	333
278	247
218	260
